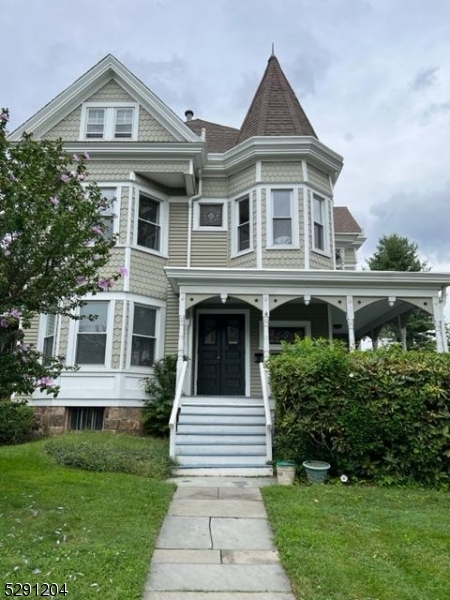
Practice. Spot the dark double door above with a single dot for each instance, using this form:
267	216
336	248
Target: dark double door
221	355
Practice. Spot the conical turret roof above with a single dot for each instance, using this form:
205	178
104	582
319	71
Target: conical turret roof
275	109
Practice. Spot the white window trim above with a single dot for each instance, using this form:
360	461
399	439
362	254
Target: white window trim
326	226
235	222
108	132
159	333
280	323
196	224
42	331
294	218
116	205
163	218
73	337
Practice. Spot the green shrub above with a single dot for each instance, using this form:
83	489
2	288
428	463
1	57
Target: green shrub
16	422
104	452
160	388
381	416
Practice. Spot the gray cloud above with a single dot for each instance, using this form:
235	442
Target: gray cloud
309	67
425	78
435	109
424	217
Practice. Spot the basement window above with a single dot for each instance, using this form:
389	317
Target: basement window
86	418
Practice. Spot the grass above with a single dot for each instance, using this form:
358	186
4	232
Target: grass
94	531
355	543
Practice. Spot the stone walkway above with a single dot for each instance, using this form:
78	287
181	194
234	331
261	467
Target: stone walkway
216	544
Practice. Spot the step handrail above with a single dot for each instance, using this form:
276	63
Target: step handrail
265	394
175	408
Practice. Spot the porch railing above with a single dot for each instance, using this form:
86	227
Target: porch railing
265	394
175	408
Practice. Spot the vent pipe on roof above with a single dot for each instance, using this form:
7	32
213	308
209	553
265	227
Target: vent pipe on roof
189	114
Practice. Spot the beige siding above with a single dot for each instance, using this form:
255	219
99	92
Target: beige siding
151	130
67	129
209	249
117	335
147	276
319	180
118	170
64	336
178	233
282	172
215	187
318	261
124	209
116	260
32	333
172	322
111	92
242	180
246	261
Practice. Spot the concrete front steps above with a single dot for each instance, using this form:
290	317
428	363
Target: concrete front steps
223	436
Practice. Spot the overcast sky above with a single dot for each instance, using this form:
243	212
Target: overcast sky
372	75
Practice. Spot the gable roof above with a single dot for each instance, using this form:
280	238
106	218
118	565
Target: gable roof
275	109
344	221
105	70
219	138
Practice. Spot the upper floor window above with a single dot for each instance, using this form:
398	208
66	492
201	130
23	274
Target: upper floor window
144	336
92	334
48	347
149	223
282	218
243	224
320	241
210	215
105	121
108	213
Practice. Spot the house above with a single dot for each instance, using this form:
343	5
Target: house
233	244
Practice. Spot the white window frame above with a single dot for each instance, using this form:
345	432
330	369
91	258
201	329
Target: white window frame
43	323
164	220
73	337
158	306
306	325
110	121
325	251
295	244
235	225
115	207
223	202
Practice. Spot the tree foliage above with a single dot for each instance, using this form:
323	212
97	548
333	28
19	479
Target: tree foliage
397	253
53	250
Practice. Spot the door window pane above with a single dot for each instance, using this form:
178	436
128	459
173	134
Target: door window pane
210	332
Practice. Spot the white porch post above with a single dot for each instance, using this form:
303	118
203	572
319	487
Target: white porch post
266	317
437	315
182	322
351	323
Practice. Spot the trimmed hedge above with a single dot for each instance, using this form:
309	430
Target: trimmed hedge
16	422
381	416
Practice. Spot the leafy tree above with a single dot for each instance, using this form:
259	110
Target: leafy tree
53	250
397	253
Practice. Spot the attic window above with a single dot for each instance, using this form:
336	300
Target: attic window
109	121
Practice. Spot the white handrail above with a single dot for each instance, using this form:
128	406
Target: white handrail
265	393
175	407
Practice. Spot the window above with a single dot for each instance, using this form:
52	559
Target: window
110	122
91	340
284	331
319	222
210	215
144	337
243	224
149	229
86	418
48	348
108	215
282	217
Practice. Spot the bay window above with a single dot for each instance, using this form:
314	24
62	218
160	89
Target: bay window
149	219
282	218
144	336
243	224
319	223
92	333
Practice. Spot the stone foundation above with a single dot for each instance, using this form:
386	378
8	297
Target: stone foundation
53	420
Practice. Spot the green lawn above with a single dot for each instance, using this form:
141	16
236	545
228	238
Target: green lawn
94	531
355	543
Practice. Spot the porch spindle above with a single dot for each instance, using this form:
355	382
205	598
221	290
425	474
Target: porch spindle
182	322
266	318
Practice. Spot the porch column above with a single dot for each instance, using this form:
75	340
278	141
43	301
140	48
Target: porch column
437	315
266	317
351	323
402	332
182	322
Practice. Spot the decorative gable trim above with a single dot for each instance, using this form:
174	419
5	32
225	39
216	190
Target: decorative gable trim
89	83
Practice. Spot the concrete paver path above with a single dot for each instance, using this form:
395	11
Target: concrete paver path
216	544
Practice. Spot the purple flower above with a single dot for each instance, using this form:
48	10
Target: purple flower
45	381
86	155
105	284
15	313
65	177
81	176
75	158
24	347
4	322
97	229
80	279
54	200
123	271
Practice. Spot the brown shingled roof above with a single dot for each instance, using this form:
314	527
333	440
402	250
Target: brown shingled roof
344	221
275	109
219	138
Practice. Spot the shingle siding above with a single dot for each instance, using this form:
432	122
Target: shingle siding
282	172
242	180
215	187
147	276
319	180
117	335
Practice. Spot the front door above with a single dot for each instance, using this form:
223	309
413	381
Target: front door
221	355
